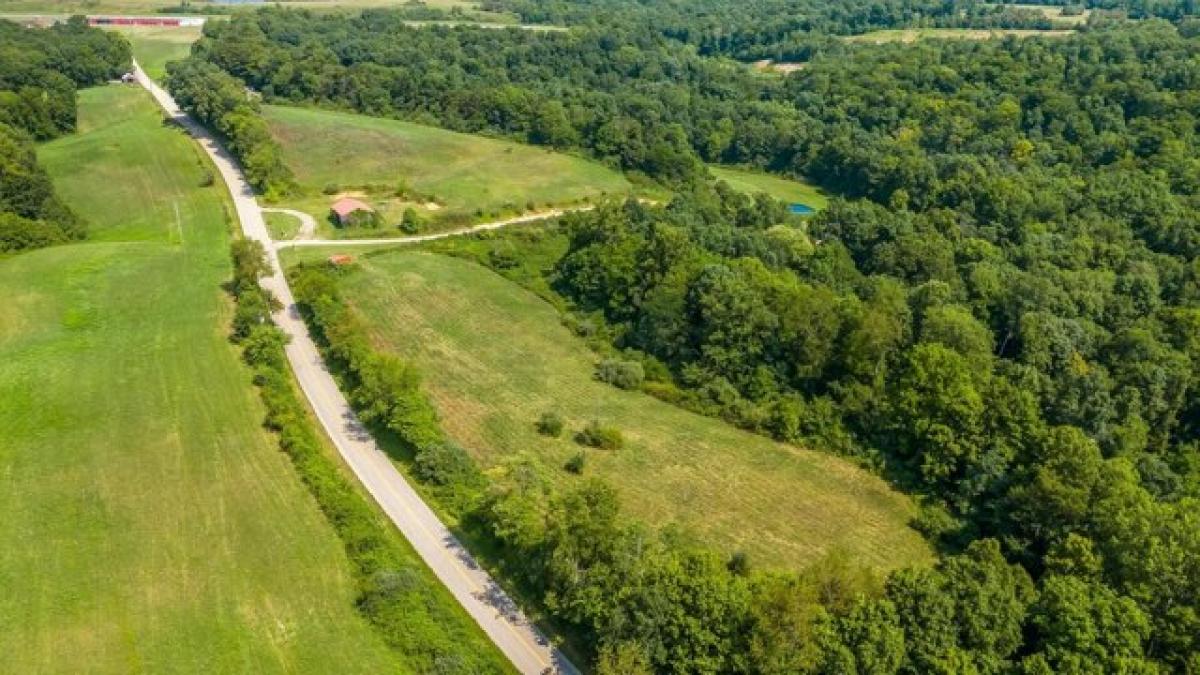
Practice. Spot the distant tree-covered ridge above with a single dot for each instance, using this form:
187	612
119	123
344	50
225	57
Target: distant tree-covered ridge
787	30
627	93
635	100
792	29
39	72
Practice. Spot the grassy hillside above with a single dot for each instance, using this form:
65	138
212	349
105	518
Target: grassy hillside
464	173
153	47
753	182
1054	13
494	357
148	523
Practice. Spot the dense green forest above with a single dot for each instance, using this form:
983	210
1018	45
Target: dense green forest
999	314
1004	321
719	26
642	107
39	72
789	30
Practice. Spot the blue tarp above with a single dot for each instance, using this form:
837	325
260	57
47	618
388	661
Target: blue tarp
802	209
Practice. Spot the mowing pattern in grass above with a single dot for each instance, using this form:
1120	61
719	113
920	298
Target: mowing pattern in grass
464	172
753	182
495	357
147	521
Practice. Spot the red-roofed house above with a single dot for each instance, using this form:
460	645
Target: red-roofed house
350	211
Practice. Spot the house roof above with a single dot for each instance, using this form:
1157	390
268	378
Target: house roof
347	205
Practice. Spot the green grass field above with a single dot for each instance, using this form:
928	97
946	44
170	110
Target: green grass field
68	7
153	47
494	357
281	225
912	35
1052	12
754	182
371	157
148	523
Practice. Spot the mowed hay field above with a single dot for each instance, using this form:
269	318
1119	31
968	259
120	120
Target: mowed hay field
495	356
147	521
754	182
464	172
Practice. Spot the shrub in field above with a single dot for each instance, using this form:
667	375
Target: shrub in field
621	374
411	222
550	424
597	435
503	256
576	463
446	464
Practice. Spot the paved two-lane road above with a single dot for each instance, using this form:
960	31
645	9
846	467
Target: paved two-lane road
483	599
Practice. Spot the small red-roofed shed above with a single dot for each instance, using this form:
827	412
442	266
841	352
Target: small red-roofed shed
348	210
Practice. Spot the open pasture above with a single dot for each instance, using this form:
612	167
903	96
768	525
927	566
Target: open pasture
447	178
494	357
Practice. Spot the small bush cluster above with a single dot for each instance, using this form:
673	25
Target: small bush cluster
446	464
621	374
503	256
550	424
410	223
597	435
576	464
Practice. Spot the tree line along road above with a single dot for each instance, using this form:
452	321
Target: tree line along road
504	623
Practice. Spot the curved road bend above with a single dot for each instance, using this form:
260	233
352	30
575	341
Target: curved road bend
483	599
308	224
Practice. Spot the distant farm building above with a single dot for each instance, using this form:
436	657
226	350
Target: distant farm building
350	211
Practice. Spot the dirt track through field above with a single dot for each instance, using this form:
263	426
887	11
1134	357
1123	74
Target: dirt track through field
416	239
